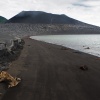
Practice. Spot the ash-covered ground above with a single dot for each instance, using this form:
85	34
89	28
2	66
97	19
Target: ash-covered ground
12	30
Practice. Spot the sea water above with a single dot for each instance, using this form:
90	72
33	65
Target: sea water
85	43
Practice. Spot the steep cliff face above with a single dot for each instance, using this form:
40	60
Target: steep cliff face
38	17
2	19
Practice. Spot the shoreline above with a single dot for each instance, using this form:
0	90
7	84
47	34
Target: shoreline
66	41
76	51
52	72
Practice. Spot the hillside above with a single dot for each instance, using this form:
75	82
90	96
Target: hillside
2	19
19	29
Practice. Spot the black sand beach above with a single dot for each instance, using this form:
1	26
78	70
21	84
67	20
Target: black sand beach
49	72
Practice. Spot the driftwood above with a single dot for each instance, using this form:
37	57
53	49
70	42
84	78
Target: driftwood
12	81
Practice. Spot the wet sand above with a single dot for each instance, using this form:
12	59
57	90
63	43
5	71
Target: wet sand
50	72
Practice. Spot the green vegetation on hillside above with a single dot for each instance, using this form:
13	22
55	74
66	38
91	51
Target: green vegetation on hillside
2	19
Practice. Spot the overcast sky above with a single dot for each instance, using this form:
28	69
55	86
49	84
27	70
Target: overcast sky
84	10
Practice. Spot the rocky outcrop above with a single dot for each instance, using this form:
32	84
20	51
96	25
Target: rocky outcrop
8	54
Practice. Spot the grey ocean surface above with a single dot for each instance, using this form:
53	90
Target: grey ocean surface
85	43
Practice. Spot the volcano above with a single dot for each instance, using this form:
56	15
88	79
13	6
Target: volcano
39	17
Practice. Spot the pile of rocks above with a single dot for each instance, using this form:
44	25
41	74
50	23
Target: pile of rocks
10	53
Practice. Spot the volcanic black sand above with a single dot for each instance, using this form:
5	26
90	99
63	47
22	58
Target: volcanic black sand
51	72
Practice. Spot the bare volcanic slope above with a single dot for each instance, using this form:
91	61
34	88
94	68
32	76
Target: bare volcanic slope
2	19
39	17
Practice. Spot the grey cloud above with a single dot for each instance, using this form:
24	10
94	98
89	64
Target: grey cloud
81	5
